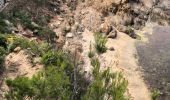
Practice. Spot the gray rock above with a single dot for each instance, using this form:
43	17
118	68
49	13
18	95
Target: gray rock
112	49
122	28
112	34
69	35
37	60
131	33
17	49
7	22
34	24
106	29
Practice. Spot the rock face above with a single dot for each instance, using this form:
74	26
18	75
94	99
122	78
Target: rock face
92	20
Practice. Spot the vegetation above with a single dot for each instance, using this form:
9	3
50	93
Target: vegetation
3	46
3	27
155	94
46	34
91	53
100	42
51	84
59	81
2	57
26	19
36	48
105	85
61	78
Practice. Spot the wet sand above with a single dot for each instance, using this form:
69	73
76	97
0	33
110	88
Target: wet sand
154	57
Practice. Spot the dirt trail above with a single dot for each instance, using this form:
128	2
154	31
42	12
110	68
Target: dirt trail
122	59
128	62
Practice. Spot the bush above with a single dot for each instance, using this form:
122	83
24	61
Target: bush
35	48
155	94
52	84
58	59
47	34
3	27
91	53
43	20
43	48
18	42
100	42
3	41
105	85
20	88
2	57
56	82
40	2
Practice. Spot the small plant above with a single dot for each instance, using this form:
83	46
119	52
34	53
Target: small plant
3	41
35	48
155	94
40	2
18	42
91	53
2	57
100	43
47	34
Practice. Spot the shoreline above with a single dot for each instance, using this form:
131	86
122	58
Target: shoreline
153	58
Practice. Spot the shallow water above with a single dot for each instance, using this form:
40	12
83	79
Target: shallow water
154	57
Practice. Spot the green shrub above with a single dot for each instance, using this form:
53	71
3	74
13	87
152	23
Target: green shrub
43	20
58	59
18	42
3	41
51	84
90	53
2	57
155	94
3	26
47	34
36	48
40	2
20	88
44	48
100	43
105	85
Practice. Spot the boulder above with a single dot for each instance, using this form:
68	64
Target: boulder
34	24
131	33
37	60
122	28
112	49
7	22
112	34
69	35
106	29
17	49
